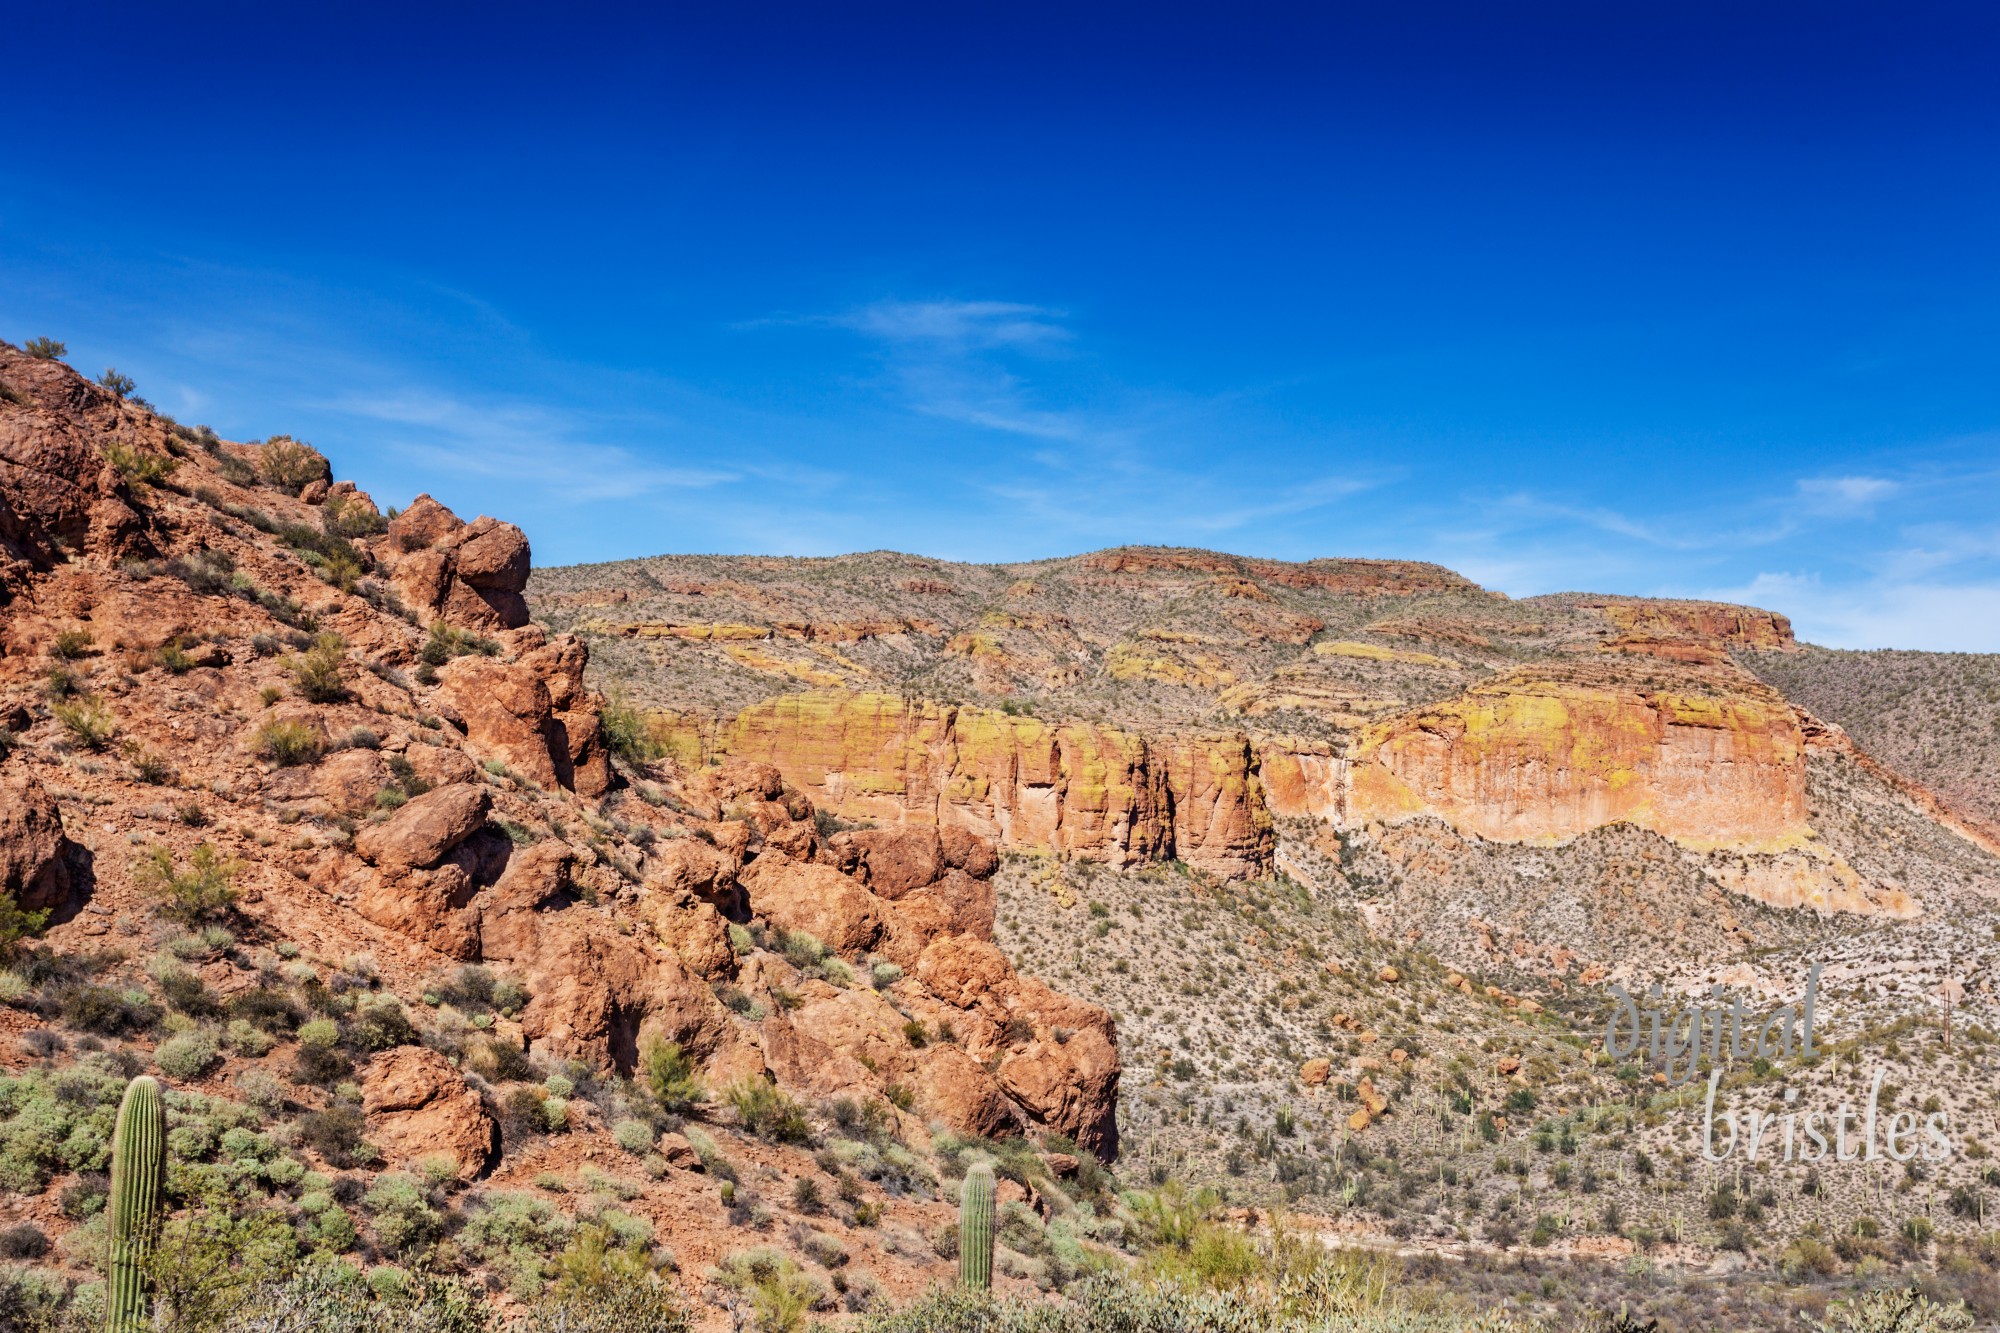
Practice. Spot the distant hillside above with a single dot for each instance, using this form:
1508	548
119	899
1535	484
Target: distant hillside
1934	717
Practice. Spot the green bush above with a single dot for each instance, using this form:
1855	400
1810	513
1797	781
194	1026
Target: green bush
187	1055
204	891
137	468
768	1111
671	1076
628	731
88	720
317	671
291	465
45	349
287	744
117	382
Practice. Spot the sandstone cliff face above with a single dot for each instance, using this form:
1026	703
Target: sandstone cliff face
1541	757
1074	789
1708	758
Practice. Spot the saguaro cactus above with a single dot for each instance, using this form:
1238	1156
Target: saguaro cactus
138	1178
975	1228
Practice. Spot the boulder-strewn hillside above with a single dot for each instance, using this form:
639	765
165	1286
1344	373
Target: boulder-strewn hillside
299	809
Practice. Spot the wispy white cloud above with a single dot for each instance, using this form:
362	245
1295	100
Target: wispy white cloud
519	442
961	325
1846	494
1877	614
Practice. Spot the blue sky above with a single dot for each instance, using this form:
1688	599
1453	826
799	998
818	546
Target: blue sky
1688	299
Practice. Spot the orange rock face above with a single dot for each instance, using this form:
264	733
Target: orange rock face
417	1106
1544	757
1076	789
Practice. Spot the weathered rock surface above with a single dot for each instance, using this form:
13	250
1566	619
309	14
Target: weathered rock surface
419	835
469	574
417	1105
34	869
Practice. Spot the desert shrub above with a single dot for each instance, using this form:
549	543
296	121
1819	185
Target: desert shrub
137	468
291	465
207	572
777	1290
334	1133
106	1012
627	731
317	671
641	1307
267	1009
634	1136
768	1111
70	645
345	516
23	1240
287	743
204	891
60	1120
116	381
401	1214
259	1090
1889	1311
324	1296
45	349
188	1055
88	720
380	1026
671	1075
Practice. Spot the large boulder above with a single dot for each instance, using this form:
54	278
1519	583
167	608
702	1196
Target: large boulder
816	899
418	1106
34	853
596	994
423	832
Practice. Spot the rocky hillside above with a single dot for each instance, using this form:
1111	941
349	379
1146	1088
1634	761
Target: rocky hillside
1934	717
299	809
1349	848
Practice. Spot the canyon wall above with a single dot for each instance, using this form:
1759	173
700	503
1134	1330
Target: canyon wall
1715	764
1077	789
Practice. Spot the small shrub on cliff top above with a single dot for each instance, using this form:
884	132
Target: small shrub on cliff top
116	381
45	349
202	892
292	465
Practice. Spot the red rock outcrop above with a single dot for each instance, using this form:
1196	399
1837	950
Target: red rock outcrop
418	1106
470	817
34	868
468	574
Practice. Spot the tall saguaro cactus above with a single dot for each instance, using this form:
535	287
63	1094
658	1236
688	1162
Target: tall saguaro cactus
138	1178
975	1228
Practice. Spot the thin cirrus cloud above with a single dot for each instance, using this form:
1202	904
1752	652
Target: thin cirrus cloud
521	443
1846	493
